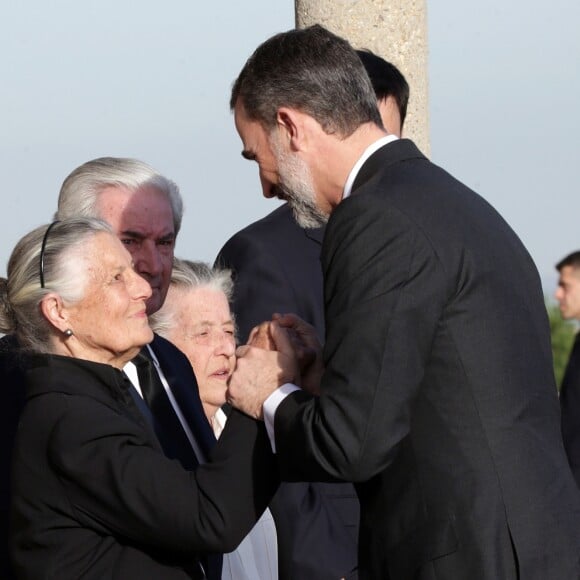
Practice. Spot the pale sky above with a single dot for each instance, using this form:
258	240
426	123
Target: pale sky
151	80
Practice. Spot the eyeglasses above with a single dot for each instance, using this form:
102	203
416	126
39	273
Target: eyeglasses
42	249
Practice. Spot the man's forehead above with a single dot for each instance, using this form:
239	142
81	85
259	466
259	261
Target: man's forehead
122	195
138	212
570	272
254	138
244	123
569	279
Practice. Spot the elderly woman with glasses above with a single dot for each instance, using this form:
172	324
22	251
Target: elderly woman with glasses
93	494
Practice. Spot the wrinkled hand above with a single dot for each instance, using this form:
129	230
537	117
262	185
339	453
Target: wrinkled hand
259	372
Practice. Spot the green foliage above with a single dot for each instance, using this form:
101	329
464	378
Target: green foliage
562	333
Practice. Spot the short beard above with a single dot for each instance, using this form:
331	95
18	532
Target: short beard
297	187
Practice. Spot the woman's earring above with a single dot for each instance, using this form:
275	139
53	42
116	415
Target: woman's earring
68	332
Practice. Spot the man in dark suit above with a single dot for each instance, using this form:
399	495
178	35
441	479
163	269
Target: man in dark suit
276	266
568	296
276	262
437	395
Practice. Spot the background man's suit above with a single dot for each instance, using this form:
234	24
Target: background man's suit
438	397
183	384
570	403
276	266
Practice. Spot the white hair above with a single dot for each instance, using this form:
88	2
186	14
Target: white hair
187	275
80	190
55	252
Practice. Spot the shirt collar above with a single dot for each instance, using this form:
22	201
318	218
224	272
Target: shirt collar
218	422
366	154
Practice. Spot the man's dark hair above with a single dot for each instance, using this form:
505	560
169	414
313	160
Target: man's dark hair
311	70
387	80
572	259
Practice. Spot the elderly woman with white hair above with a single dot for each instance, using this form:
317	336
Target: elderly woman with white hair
93	494
196	317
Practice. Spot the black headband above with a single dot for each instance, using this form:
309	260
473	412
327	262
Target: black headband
42	248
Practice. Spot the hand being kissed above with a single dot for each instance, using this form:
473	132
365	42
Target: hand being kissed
265	363
261	336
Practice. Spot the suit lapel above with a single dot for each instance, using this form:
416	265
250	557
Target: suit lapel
315	234
183	385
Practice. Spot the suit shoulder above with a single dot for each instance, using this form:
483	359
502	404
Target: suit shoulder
167	353
276	236
270	226
160	343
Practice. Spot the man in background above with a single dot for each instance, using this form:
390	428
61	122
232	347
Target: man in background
568	296
276	265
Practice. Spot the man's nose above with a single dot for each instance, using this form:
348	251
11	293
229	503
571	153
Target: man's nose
148	262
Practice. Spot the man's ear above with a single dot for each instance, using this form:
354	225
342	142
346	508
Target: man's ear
290	124
55	312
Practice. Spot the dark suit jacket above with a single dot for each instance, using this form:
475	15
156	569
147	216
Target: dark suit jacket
11	405
180	378
183	384
438	398
570	403
276	266
95	497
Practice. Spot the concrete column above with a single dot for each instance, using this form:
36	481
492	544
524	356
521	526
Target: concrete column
393	29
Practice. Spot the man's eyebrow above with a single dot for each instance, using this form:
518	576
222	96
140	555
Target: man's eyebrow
140	236
168	236
246	154
132	234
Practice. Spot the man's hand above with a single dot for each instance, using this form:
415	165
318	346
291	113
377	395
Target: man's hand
259	372
307	349
261	337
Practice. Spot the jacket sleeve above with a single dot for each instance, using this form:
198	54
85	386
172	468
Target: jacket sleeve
118	482
384	294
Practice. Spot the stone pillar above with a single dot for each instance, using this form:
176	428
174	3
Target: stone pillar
393	29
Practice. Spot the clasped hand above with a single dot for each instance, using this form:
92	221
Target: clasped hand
284	350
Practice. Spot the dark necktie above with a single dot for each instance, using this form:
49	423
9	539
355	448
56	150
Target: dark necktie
171	435
167	426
